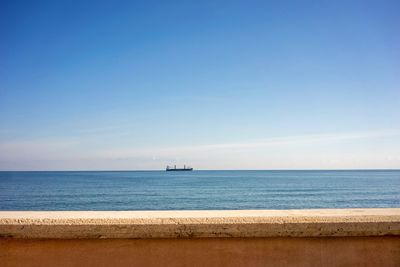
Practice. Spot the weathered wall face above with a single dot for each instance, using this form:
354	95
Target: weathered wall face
350	237
332	251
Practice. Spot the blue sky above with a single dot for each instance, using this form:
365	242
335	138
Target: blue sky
215	84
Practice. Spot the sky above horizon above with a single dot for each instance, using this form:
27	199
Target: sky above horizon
108	85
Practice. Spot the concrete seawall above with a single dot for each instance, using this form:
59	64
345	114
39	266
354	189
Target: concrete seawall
345	237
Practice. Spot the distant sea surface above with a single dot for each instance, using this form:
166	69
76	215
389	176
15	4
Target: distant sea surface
198	190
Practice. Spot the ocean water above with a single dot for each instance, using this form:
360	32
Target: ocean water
198	190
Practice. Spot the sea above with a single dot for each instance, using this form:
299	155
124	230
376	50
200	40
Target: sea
199	190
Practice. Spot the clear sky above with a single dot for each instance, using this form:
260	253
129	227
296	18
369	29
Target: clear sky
214	84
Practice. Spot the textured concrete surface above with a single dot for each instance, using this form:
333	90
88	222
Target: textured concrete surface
210	252
200	224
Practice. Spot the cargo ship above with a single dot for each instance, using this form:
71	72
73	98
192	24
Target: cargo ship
185	168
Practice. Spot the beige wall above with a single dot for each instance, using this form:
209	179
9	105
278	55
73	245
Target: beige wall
348	237
327	251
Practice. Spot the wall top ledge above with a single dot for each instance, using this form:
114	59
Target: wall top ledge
200	224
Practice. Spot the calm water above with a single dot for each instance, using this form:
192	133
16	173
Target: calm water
153	190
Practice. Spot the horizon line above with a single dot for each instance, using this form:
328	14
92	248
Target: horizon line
158	170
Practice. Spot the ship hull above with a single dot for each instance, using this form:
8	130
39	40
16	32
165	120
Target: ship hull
179	170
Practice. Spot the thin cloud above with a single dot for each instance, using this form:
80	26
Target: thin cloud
254	144
300	151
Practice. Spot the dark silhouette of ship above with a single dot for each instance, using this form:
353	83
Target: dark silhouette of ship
185	168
